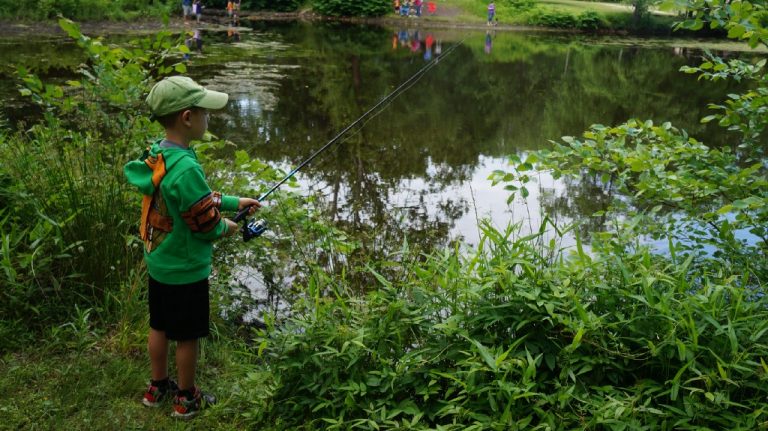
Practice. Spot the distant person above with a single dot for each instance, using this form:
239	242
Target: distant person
396	5
415	42
404	8
431	7
491	12
194	42
236	7
180	220
186	8
230	8
233	34
417	7
198	40
197	9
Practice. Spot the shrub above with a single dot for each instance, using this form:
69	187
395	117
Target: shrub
68	230
276	5
352	8
83	9
518	6
552	19
510	338
589	20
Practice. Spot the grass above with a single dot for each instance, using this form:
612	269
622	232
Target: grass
475	12
100	389
576	7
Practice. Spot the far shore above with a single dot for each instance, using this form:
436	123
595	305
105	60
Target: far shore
214	18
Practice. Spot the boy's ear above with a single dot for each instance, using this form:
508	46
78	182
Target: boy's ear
186	115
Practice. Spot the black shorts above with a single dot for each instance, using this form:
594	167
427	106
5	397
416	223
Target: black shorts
180	310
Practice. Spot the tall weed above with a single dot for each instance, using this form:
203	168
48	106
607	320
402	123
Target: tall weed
504	339
68	226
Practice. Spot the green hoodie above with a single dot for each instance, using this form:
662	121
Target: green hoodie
183	256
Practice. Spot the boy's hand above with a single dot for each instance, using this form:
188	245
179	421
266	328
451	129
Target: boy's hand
248	202
232	227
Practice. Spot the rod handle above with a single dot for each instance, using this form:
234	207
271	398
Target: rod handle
241	214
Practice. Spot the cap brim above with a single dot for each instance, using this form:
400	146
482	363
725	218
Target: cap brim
213	100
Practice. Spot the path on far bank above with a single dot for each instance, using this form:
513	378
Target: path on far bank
449	15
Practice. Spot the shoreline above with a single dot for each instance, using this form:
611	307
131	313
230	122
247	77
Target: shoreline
15	29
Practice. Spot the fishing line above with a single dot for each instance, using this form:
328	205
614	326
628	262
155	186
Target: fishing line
372	113
384	102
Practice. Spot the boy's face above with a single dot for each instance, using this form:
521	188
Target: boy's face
196	120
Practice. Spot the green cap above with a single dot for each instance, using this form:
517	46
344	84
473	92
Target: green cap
179	92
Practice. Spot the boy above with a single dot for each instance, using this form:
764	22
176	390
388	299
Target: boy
180	220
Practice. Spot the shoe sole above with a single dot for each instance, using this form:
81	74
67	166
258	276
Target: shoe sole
149	403
184	416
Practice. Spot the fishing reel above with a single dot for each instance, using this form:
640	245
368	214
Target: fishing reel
253	229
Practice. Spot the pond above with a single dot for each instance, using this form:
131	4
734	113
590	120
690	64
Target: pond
419	168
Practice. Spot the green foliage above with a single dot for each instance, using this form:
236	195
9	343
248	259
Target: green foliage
352	8
518	335
276	5
587	20
518	6
693	193
743	20
84	9
67	227
68	223
556	19
511	338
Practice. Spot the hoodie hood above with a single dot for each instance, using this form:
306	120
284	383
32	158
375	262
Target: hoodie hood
140	172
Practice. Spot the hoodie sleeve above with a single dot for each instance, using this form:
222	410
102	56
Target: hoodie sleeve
140	175
199	206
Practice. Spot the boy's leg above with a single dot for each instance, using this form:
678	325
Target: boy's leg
186	362
158	354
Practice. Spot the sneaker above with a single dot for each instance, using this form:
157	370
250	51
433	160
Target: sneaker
156	394
185	407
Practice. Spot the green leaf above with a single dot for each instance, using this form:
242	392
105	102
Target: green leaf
736	31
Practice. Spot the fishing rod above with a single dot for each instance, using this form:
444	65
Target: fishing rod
255	228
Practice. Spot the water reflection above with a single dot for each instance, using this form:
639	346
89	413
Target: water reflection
419	169
293	86
194	42
417	42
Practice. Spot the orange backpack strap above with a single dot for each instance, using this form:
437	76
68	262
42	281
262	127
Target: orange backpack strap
153	212
204	215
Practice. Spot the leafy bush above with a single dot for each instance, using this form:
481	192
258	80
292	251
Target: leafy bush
508	338
84	9
516	335
554	19
520	5
276	5
352	8
589	20
68	227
